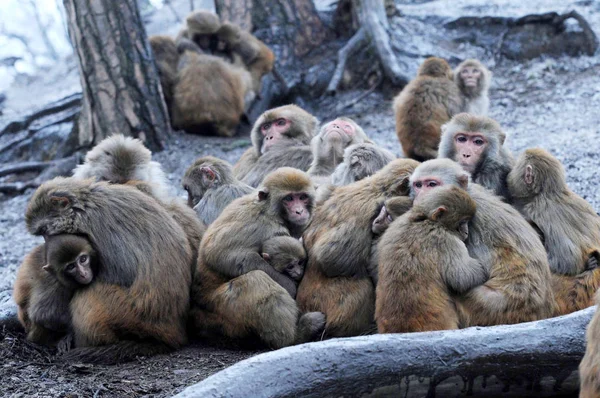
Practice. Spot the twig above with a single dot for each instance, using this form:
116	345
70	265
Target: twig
357	41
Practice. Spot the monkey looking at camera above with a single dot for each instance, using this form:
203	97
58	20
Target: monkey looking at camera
423	261
46	281
473	81
286	255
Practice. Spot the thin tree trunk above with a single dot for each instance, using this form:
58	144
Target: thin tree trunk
120	83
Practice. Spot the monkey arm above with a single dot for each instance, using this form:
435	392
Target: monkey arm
462	272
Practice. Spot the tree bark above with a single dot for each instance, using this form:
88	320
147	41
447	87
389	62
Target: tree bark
238	12
120	83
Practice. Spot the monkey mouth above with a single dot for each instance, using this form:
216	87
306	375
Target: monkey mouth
471	82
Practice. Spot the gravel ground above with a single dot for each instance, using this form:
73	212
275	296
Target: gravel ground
551	103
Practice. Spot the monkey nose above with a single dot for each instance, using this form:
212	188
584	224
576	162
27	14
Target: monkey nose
466	155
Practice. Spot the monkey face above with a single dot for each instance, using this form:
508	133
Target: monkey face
470	76
297	208
272	132
469	148
295	269
424	185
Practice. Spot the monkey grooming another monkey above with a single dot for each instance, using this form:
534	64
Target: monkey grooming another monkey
280	138
569	226
145	271
360	161
46	281
423	261
199	33
477	144
589	375
211	186
473	81
338	242
518	289
421	108
286	255
236	293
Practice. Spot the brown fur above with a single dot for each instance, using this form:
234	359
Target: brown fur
286	255
475	99
569	226
518	289
589	368
426	103
141	291
236	293
166	58
199	32
423	261
360	161
338	242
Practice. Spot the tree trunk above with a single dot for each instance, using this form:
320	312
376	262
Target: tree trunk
120	83
238	12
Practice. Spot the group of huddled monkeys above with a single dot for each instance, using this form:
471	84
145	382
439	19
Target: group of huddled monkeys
210	73
314	233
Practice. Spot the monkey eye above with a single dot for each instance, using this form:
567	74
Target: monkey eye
82	259
288	198
479	141
266	126
389	218
70	267
186	187
461	138
418	184
432	184
107	153
303	196
281	122
290	266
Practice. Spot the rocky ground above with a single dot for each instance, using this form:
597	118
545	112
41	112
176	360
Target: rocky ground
546	102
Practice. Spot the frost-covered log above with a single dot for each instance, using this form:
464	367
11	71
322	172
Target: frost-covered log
540	355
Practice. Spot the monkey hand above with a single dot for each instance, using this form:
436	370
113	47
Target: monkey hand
65	344
592	261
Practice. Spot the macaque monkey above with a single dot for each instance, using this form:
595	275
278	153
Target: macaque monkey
118	159
518	289
589	374
236	293
473	80
286	255
280	138
46	281
423	262
477	144
166	58
211	186
209	96
569	226
139	300
328	147
199	34
423	106
360	161
338	242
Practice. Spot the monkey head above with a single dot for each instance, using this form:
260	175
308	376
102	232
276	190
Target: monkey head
436	173
392	208
205	173
435	67
536	171
286	255
472	78
227	37
336	136
285	125
289	194
470	140
450	206
366	159
202	26
71	259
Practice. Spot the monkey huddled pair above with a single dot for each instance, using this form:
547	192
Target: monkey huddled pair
210	73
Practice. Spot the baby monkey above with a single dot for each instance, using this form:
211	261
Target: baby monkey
286	255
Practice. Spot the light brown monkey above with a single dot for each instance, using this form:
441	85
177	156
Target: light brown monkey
286	255
423	262
518	289
209	96
199	33
166	58
236	293
421	108
473	81
233	42
280	137
338	242
46	281
477	144
138	303
589	374
569	226
211	186
360	161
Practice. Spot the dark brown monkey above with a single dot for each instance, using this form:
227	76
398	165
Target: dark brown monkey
46	281
588	368
421	108
166	58
569	226
473	81
211	186
199	33
423	262
145	271
338	241
477	144
360	161
280	137
286	255
518	289
209	96
236	293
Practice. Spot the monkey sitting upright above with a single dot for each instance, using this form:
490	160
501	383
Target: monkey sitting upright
473	81
423	261
286	255
46	281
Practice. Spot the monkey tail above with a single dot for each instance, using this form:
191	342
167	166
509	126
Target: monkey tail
112	354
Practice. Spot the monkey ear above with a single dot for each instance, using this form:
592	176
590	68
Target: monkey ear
528	174
60	200
208	173
438	213
263	194
401	187
266	257
463	181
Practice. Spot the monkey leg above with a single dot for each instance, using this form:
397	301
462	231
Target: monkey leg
574	293
348	303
